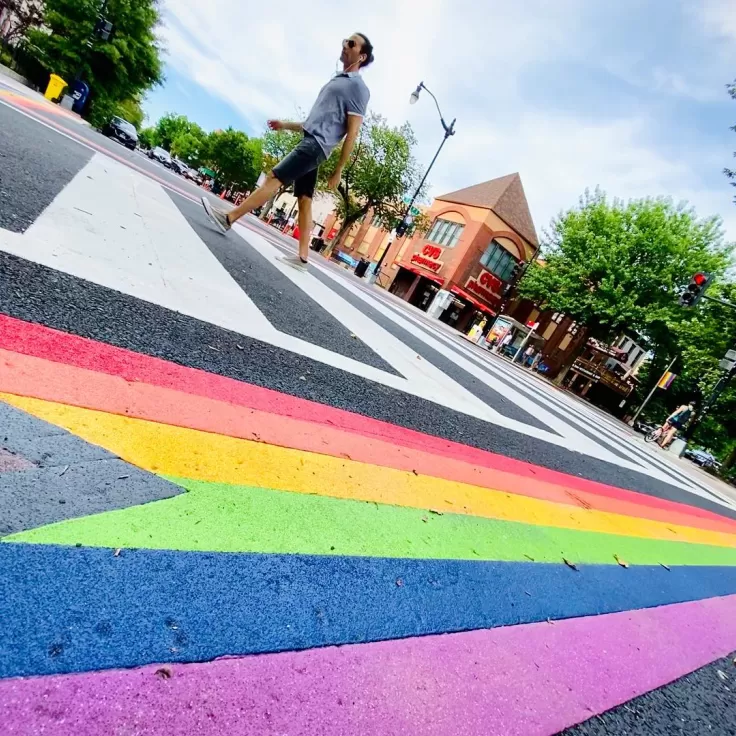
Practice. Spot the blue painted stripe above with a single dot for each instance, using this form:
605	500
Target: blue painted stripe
67	609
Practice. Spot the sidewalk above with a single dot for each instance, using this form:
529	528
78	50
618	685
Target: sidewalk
20	93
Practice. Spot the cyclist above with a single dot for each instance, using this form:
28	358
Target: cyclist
679	419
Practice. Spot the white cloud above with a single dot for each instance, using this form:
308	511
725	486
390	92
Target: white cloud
483	61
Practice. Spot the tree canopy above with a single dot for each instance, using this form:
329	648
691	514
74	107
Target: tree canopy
118	69
618	267
381	172
236	158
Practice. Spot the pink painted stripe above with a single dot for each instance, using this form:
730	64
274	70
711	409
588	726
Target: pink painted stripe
43	342
514	681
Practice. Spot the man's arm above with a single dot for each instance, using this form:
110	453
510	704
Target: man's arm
285	125
354	123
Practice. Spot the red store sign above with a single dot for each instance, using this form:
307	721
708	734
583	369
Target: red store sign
484	286
429	258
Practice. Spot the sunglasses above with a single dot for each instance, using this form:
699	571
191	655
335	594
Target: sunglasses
349	42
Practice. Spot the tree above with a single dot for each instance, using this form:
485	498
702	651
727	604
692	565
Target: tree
236	159
731	173
148	138
132	111
190	148
381	171
21	16
276	145
171	126
118	69
615	266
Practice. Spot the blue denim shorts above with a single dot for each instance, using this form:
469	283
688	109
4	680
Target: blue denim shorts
301	167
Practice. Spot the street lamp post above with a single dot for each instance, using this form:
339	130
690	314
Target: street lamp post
449	131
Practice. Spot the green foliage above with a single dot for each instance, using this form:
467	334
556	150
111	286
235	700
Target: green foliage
276	145
615	266
172	126
618	267
730	173
131	111
118	69
236	159
381	171
148	138
190	148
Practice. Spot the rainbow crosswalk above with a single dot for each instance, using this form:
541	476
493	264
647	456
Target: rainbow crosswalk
326	572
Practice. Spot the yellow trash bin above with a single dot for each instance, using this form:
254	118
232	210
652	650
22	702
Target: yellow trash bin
55	88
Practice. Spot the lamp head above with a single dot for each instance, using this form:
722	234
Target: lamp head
415	95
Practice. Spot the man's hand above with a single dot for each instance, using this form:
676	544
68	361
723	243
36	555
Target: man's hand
334	181
275	125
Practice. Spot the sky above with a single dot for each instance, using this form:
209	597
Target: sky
627	96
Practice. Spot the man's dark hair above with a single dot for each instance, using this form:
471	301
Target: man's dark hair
367	50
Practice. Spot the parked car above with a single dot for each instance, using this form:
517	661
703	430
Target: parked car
700	457
162	156
122	131
194	175
179	166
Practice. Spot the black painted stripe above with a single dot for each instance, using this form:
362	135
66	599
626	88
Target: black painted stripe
283	303
703	702
485	393
34	168
67	303
71	478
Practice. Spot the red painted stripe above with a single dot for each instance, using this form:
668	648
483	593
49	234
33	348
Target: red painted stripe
33	339
25	375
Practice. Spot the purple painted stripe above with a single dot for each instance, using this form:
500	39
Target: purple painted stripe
10	462
520	680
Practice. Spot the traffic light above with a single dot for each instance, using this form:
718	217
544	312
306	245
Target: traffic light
103	29
695	289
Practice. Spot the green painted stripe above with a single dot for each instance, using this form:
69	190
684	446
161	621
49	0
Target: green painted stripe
224	518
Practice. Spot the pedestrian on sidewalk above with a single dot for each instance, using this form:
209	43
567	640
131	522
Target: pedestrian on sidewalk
337	114
679	419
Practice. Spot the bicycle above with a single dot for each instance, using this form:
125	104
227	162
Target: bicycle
655	434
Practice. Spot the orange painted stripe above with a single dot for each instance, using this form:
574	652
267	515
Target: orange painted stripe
28	376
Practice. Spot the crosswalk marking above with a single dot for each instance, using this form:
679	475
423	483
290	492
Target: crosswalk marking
118	228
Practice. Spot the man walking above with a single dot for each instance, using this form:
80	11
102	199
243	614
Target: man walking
338	113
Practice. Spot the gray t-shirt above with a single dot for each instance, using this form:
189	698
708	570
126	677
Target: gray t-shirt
345	94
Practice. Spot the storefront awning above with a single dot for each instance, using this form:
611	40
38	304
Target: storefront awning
464	294
437	280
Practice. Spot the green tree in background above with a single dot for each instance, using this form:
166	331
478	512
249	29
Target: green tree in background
148	138
117	70
618	267
191	149
172	126
382	170
615	266
730	173
131	111
236	158
276	145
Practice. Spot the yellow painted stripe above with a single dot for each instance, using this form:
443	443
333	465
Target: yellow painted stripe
188	453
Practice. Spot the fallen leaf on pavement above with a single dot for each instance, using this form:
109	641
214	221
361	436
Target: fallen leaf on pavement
164	673
621	562
435	512
666	567
571	565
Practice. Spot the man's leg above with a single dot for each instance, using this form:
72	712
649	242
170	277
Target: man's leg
305	226
256	200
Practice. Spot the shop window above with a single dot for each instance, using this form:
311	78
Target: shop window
445	233
498	261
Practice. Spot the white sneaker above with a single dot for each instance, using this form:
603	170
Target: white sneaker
218	217
295	262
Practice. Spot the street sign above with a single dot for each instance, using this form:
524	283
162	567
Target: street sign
731	355
727	365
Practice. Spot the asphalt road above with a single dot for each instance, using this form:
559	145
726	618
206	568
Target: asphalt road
239	499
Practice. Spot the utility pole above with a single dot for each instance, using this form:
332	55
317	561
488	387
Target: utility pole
729	365
651	393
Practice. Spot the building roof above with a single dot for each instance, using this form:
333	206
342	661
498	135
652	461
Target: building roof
505	196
